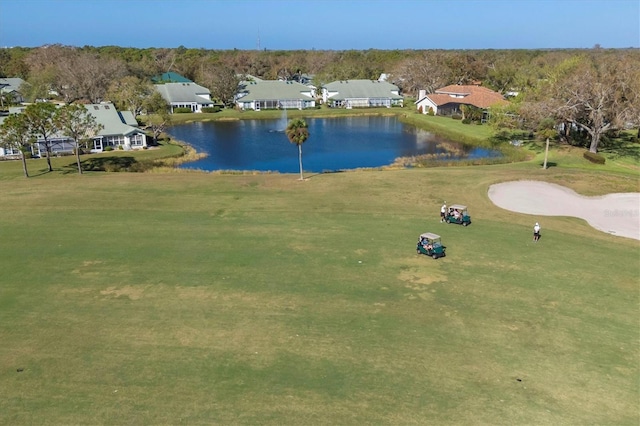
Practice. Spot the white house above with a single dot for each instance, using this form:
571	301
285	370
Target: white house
10	88
186	94
361	94
257	94
119	128
119	131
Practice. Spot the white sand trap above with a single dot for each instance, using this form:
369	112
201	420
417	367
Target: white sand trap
616	214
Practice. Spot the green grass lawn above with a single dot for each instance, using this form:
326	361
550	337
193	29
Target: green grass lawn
197	298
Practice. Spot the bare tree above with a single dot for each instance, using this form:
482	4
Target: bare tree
130	93
593	94
158	117
85	76
428	72
222	81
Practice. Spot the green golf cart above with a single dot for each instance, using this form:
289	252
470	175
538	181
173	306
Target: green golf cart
431	245
457	213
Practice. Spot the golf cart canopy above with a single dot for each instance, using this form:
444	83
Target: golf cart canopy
430	236
458	207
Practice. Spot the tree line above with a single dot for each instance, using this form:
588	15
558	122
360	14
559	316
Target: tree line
580	94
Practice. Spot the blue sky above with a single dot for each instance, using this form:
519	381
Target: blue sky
322	24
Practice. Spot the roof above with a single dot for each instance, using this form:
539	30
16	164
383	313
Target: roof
8	85
430	236
477	96
129	118
112	121
458	206
358	89
170	77
272	89
184	93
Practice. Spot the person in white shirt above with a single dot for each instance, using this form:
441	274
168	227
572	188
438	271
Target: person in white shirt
443	211
536	232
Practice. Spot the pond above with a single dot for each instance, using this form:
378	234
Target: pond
334	144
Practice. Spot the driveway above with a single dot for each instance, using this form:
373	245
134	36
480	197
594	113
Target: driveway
616	214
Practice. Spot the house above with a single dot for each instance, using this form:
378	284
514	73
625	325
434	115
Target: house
10	90
119	131
257	94
449	99
180	92
361	94
119	128
185	95
7	152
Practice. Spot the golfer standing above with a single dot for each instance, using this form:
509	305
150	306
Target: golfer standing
443	211
536	232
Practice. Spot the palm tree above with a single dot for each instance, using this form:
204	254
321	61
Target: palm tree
298	133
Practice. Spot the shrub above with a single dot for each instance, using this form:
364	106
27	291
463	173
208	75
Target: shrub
212	109
181	110
466	121
108	148
431	112
593	157
456	116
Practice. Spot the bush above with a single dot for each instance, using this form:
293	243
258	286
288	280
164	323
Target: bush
466	121
182	110
108	148
456	116
593	157
431	112
212	109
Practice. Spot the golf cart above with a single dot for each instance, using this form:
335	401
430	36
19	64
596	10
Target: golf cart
457	213
431	245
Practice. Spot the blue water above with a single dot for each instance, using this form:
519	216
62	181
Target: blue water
334	144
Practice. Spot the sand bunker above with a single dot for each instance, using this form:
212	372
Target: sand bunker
616	214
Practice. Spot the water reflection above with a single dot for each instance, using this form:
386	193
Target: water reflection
334	144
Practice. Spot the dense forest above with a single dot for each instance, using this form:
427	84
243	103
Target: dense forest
590	91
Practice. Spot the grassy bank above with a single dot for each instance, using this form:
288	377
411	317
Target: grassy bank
137	298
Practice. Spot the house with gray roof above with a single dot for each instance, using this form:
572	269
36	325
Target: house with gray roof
10	88
119	128
361	94
185	95
60	144
257	94
119	131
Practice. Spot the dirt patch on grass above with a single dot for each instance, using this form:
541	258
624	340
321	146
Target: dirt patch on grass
133	293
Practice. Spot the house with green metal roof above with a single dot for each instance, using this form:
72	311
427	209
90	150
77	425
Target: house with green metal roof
257	94
361	94
185	95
